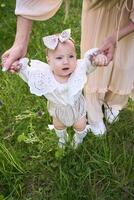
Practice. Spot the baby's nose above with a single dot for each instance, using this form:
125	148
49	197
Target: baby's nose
65	60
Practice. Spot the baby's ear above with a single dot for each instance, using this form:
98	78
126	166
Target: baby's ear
47	58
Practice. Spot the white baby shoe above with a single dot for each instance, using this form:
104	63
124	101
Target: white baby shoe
98	128
111	114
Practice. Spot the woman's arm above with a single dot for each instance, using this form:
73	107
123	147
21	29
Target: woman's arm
24	27
19	48
109	44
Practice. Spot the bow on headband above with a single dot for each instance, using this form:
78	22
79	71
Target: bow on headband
52	41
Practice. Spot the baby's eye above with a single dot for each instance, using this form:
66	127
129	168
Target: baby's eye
59	58
71	56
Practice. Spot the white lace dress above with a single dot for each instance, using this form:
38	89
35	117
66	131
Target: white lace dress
65	100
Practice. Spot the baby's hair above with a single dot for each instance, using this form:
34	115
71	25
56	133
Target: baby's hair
47	49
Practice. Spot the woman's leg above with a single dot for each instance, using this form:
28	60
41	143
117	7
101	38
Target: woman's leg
94	112
113	104
94	107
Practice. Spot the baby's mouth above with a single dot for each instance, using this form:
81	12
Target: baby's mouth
66	68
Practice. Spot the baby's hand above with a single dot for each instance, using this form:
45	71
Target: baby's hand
15	67
99	60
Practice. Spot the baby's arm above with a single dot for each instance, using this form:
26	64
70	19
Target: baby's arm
36	74
22	68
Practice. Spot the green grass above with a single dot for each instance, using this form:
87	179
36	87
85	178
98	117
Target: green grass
31	166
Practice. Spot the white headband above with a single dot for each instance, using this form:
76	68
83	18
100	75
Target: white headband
52	41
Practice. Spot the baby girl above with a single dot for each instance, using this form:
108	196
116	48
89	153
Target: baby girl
61	81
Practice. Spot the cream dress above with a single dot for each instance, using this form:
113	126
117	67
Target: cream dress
65	100
37	9
111	85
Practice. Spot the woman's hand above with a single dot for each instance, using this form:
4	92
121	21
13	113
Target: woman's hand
19	48
108	48
109	44
11	56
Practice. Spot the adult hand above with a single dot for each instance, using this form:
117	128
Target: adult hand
12	55
108	48
19	48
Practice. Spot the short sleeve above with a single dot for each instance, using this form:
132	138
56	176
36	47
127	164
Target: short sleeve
132	12
37	9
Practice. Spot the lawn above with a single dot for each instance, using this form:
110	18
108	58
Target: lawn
31	165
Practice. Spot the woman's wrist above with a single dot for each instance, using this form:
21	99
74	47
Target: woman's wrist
20	43
19	49
112	39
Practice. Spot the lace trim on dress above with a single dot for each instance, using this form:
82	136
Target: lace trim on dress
41	80
77	79
40	77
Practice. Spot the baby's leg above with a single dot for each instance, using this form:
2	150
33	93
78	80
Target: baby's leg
80	131
60	130
80	125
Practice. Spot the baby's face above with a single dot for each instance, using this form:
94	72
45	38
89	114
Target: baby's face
62	60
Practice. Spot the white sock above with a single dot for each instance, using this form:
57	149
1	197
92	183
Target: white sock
79	136
62	135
